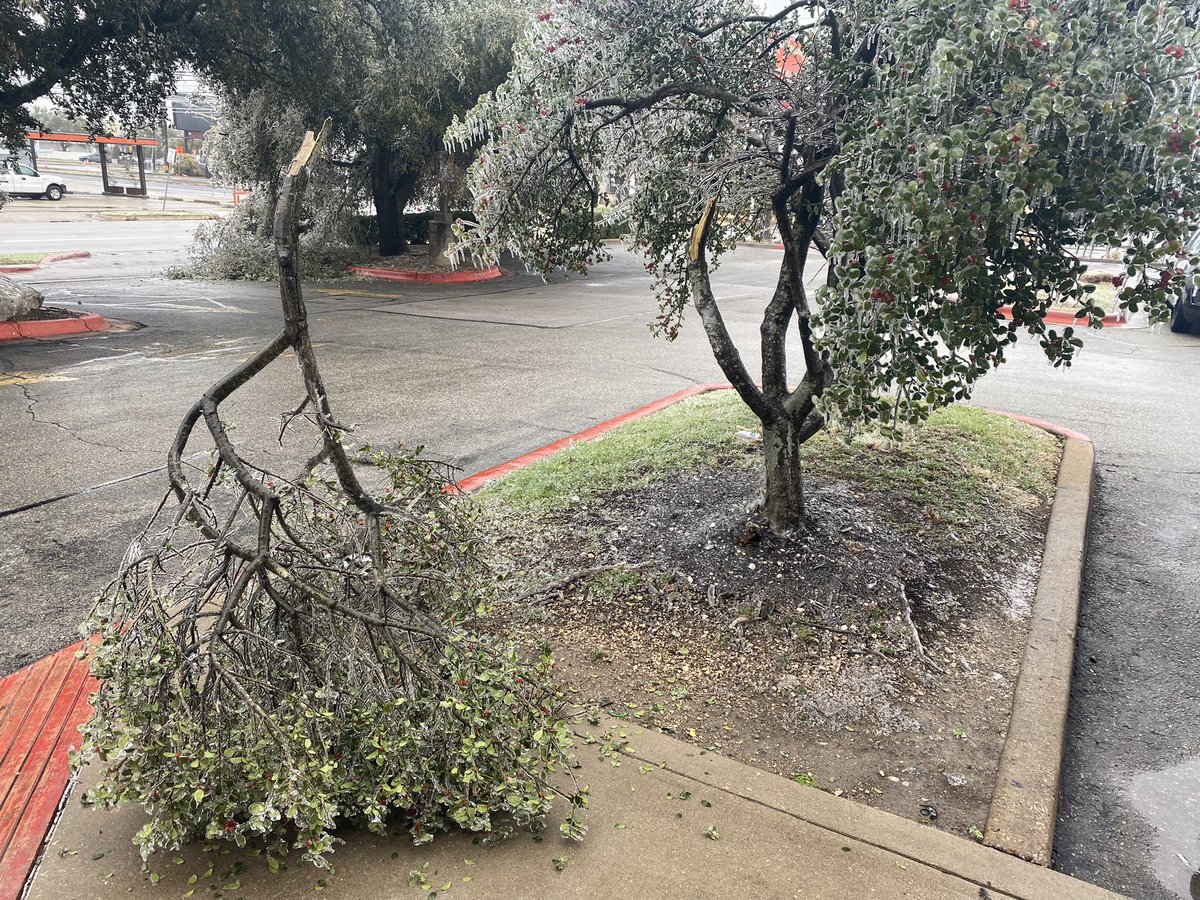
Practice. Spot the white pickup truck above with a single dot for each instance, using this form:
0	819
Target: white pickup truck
21	180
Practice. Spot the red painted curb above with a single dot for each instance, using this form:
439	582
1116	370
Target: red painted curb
1059	317
478	480
48	328
53	258
74	254
429	277
1060	430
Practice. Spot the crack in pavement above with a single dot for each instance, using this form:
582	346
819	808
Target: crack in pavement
1160	469
687	378
188	461
33	402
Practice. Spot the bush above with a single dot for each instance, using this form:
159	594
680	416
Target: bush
240	246
238	705
187	164
606	228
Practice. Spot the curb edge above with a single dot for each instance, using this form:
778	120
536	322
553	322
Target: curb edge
21	268
481	479
51	328
1061	317
1023	811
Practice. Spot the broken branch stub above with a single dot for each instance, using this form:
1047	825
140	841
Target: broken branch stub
283	654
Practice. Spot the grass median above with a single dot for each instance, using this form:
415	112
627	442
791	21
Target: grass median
870	653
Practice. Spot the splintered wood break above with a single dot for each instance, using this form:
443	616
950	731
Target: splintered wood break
308	147
700	231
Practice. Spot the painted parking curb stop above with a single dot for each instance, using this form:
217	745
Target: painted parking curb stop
50	328
458	277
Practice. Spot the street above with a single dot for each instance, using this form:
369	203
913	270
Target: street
478	374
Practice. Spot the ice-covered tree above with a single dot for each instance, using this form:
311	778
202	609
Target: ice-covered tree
945	157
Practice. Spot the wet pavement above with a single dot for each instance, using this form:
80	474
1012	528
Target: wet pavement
1170	799
1129	817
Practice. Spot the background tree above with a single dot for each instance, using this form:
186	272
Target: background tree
102	58
944	155
391	74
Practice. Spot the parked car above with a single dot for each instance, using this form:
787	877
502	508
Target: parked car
21	180
1185	311
90	158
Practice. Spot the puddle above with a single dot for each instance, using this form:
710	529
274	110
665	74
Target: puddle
1170	801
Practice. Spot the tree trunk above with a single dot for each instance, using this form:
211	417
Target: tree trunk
387	215
783	492
391	192
403	189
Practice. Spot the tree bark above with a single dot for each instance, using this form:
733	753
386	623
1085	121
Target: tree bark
789	417
387	215
391	192
783	490
403	188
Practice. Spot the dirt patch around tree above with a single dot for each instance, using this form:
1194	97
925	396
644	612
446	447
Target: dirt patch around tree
48	314
872	654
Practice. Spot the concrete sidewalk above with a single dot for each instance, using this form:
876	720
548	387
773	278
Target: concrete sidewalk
649	837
